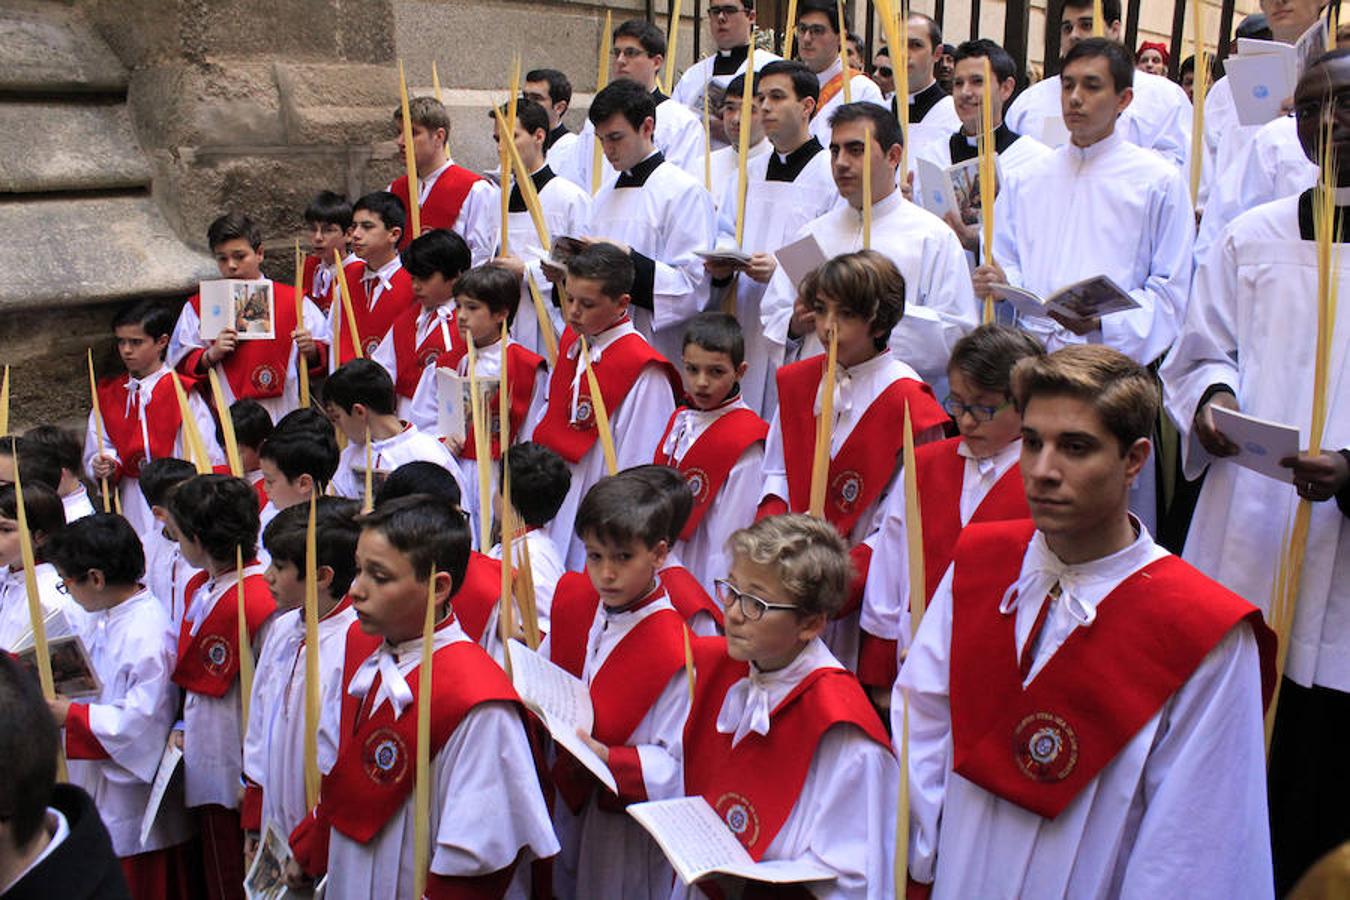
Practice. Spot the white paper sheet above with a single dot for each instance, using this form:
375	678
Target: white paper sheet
168	764
1260	84
562	702
1261	443
801	257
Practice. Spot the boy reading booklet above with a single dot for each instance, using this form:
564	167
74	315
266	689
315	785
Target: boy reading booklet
274	748
970	478
629	650
216	520
858	298
379	287
488	816
716	442
782	741
262	370
114	741
46	518
329	216
637	385
141	418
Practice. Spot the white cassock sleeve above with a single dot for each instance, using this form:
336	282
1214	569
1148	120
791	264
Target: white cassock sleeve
91	442
134	727
684	147
1204	828
641	418
261	706
678	286
384	355
661	753
206	427
479	221
424	410
1206	350
947	311
885	609
924	683
186	336
774	473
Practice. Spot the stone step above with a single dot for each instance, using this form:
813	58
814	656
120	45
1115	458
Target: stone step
92	250
51	48
68	146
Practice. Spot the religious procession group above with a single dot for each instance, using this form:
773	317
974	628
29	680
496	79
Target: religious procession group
826	437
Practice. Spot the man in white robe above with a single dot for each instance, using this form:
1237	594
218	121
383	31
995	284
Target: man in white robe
1017	789
1159	119
552	90
1249	344
724	163
638	53
929	104
730	24
656	212
939	303
818	37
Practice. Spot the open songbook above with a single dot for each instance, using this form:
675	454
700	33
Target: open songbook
563	704
248	307
454	402
73	672
728	254
699	845
951	189
1090	298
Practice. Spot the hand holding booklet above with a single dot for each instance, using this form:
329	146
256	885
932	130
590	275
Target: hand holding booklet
1090	298
700	845
248	307
1261	444
73	673
563	704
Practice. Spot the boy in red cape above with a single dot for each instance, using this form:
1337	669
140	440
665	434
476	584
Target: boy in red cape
970	478
214	516
860	297
379	288
1085	708
488	816
781	739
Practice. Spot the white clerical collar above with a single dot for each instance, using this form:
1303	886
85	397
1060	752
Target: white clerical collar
830	71
885	206
997	462
868	367
487	360
915	94
1095	150
749	704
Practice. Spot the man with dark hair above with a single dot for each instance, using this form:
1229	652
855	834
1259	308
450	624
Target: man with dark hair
655	211
731	23
551	90
52	841
637	54
1159	118
939	305
929	103
449	196
819	32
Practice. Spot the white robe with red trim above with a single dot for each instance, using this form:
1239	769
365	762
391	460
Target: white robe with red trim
1179	812
166	572
133	649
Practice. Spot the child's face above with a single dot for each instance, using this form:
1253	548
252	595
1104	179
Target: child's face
775	639
281	490
9	542
984	438
389	599
237	258
193	551
478	321
86	590
709	375
287	584
371	240
856	344
140	353
433	292
588	309
324	238
352	426
622	573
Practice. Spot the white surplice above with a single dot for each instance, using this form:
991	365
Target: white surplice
166	572
134	650
134	507
885	610
693	83
1179	812
78	504
667	219
636	425
386	454
705	553
608	854
775	210
1253	326
844	816
940	304
1158	118
486	803
678	135
546	567
429	322
861	90
187	336
479	216
1108	209
15	620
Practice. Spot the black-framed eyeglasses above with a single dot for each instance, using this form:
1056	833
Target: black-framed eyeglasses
628	52
752	607
817	31
724	12
979	412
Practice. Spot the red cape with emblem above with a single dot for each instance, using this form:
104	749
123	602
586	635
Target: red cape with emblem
754	785
412	360
374	324
208	661
123	428
477	597
940	473
616	371
522	367
443	203
256	369
709	461
1039	746
867	460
